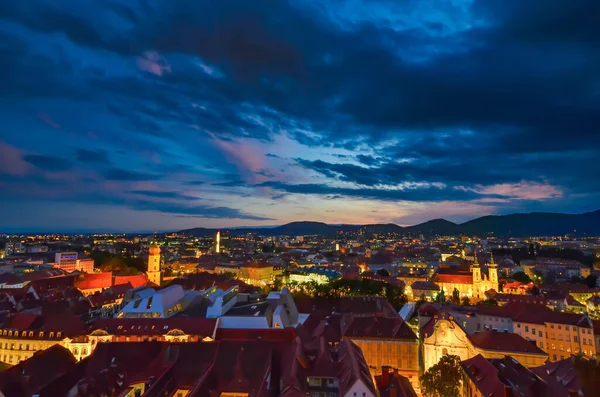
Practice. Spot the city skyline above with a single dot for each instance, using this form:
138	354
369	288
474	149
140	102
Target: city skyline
134	116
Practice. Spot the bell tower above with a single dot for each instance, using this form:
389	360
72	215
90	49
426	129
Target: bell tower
153	270
493	272
476	270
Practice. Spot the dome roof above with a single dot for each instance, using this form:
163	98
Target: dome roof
154	249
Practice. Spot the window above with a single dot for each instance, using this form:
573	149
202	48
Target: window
575	339
518	325
559	327
526	328
551	325
52	334
540	334
58	334
41	334
533	331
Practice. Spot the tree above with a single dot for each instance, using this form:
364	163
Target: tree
383	272
535	291
441	297
490	302
577	279
521	277
591	280
466	301
442	379
456	296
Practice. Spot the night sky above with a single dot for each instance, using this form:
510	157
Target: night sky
143	115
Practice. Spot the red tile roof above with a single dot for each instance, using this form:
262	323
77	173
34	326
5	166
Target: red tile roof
392	384
355	305
504	342
96	281
68	325
20	321
522	381
561	375
352	367
259	368
203	281
136	280
376	327
157	326
272	335
484	376
30	376
453	278
428	310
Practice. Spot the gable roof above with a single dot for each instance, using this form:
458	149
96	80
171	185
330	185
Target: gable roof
484	375
30	376
504	342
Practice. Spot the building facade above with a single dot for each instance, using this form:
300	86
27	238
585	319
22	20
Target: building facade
473	285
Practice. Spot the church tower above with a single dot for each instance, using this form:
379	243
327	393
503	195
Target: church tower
493	273
476	270
153	271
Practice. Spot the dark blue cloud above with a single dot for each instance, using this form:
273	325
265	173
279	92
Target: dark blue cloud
425	194
48	163
117	174
166	195
92	156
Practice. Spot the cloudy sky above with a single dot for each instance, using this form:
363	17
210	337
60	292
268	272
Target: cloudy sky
168	114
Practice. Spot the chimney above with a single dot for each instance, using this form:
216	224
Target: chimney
393	390
25	376
385	376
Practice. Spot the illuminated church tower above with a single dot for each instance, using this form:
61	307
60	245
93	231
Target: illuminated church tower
493	273
218	242
476	270
153	271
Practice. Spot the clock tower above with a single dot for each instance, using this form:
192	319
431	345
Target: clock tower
153	271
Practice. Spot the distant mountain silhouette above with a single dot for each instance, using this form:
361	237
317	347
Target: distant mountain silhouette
514	225
435	226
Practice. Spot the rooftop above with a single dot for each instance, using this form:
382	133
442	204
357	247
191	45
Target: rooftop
504	342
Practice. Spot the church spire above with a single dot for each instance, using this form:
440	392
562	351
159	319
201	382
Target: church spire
475	262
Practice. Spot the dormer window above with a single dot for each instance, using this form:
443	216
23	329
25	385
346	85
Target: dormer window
30	333
41	334
24	333
52	334
58	334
